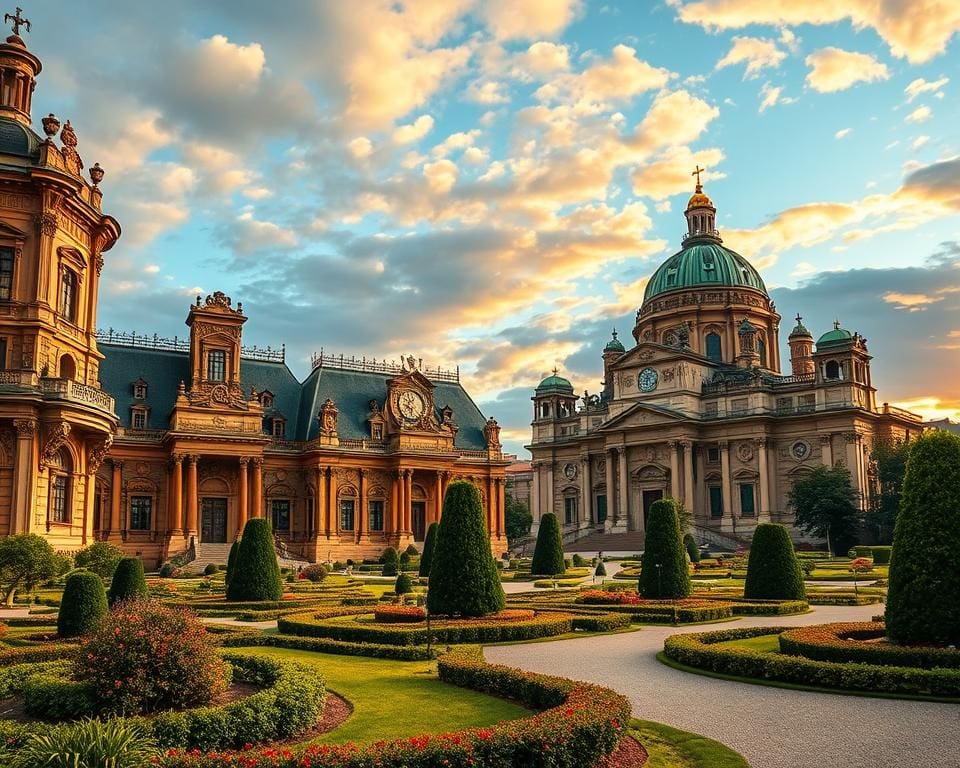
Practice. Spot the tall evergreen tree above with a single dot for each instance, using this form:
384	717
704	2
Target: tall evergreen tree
463	577
128	581
826	504
231	561
429	543
664	573
923	600
256	573
773	571
548	554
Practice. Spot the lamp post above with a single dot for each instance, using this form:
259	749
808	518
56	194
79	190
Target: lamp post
659	583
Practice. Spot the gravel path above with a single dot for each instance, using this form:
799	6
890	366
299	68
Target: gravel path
771	727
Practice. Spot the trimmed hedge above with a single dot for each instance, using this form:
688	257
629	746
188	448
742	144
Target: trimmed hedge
770	607
664	548
128	582
323	645
548	553
700	650
255	574
55	697
773	572
693	551
84	604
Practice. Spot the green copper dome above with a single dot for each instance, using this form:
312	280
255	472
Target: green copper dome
837	336
555	383
800	329
17	139
614	345
703	263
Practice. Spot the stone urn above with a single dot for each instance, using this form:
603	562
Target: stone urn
50	126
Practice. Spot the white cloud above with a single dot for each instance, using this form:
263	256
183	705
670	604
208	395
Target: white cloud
545	58
360	147
758	53
842	133
528	19
919	115
834	69
919	142
407	134
921	86
489	92
769	96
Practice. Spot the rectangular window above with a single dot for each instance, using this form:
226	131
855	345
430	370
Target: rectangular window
140	509
68	295
570	510
713	455
377	431
746	500
716	501
601	508
6	274
139	419
346	514
3	354
216	365
738	407
711	411
279	428
807	403
280	514
784	405
59	510
375	508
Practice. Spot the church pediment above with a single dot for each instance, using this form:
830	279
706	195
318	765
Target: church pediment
641	415
648	353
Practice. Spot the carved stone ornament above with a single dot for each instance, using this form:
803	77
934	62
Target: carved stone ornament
328	418
800	450
491	434
47	223
570	471
70	155
218	299
668	374
97	453
56	438
745	452
25	427
645	354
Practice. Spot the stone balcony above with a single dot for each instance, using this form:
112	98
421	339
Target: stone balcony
75	392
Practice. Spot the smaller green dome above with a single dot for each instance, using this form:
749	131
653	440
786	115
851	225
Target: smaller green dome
614	345
837	336
17	139
800	329
555	383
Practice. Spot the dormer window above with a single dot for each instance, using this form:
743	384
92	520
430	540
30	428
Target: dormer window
138	417
376	431
266	400
279	427
216	365
140	389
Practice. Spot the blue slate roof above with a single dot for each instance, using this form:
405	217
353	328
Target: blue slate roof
299	403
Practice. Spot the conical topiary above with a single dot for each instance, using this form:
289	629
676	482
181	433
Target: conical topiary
403	585
923	601
83	604
773	571
255	574
391	561
231	561
548	554
128	581
664	573
600	570
463	578
692	549
428	544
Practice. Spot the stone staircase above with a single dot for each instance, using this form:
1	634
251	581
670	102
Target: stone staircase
208	553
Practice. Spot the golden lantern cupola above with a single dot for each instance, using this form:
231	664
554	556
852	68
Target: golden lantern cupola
18	72
701	213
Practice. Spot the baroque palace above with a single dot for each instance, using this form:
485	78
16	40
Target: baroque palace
162	446
699	410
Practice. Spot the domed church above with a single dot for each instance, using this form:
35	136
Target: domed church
700	410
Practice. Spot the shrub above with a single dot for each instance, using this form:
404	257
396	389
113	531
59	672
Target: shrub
162	656
808	567
323	645
166	570
881	555
231	561
463	577
316	572
426	559
399	614
692	549
53	697
404	559
391	561
255	574
773	572
25	561
600	571
548	554
411	550
89	744
578	561
403	585
128	581
101	558
664	548
210	569
924	594
84	603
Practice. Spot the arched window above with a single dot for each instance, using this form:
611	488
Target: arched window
714	347
544	410
762	351
833	369
216	365
68	368
68	295
58	501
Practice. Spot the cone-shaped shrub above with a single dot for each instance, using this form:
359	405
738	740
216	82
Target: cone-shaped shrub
923	601
773	571
83	604
428	544
403	585
231	561
664	547
600	571
692	549
463	578
391	561
128	581
255	574
548	554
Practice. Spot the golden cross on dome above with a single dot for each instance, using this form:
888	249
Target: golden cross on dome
555	371
18	21
697	171
799	318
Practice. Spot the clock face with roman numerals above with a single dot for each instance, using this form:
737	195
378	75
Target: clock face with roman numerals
647	380
411	405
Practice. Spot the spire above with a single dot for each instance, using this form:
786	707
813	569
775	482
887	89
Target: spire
18	72
700	213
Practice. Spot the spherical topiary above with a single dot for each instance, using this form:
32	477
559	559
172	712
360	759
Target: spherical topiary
411	550
428	545
316	572
692	549
773	572
166	570
255	574
404	558
548	554
147	656
403	585
463	578
210	569
83	604
231	561
391	561
128	581
664	548
923	601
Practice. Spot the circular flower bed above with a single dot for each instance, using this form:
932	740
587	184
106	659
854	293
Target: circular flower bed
399	614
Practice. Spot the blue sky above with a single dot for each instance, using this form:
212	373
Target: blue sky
490	184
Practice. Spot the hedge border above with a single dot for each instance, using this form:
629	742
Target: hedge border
697	651
324	645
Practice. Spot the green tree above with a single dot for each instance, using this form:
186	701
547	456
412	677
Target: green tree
890	460
664	574
83	604
691	546
128	581
100	557
256	573
403	585
684	515
773	572
463	578
426	559
923	600
548	554
25	561
517	518
825	504
391	561
231	561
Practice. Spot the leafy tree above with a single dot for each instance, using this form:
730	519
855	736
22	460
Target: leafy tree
403	585
256	573
773	572
692	549
664	573
517	518
83	604
426	559
391	561
25	561
128	581
100	557
923	601
548	554
825	504
890	459
463	578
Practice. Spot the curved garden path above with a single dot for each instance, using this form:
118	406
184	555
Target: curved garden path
771	727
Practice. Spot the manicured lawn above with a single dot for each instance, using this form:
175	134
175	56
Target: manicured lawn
763	643
396	699
672	748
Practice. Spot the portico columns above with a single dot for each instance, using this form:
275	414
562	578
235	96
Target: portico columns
535	489
611	491
192	495
438	510
257	494
24	476
550	499
175	503
674	469
826	450
688	474
586	513
501	506
623	511
407	499
394	516
115	491
244	485
362	524
333	524
765	505
491	506
725	482
321	521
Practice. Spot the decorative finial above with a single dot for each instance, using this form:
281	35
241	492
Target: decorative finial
836	324
799	318
697	171
18	21
50	125
96	174
555	370
614	334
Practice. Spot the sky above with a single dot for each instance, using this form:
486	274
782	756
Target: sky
490	183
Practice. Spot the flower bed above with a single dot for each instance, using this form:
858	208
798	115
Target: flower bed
846	642
701	651
769	607
607	597
686	611
842	598
580	725
399	614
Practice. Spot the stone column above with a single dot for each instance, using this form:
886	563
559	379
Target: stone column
852	440
501	507
88	498
826	450
535	490
551	502
725	484
407	502
688	490
320	522
333	516
674	469
586	512
393	518
438	510
362	525
611	490
623	508
257	493
244	486
491	506
24	476
116	488
192	495
175	503
764	508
